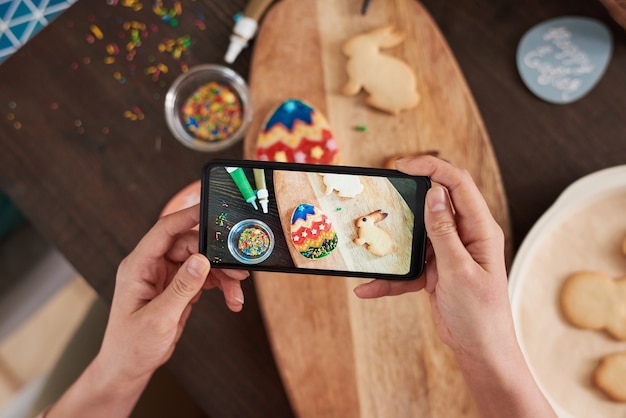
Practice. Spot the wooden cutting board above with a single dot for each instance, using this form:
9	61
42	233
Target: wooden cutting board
340	356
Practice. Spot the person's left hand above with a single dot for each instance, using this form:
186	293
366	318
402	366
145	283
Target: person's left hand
156	286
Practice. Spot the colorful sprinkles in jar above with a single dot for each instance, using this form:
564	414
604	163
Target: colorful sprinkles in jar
213	112
253	242
250	241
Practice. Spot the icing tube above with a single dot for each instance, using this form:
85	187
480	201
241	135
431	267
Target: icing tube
245	28
240	179
261	188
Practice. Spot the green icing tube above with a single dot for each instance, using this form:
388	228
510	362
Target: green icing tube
240	179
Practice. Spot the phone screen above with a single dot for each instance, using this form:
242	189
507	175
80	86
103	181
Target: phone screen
301	218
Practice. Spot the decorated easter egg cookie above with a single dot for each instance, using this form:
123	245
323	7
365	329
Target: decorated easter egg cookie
297	132
312	232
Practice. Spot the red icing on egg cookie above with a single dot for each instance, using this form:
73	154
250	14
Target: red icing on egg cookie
296	132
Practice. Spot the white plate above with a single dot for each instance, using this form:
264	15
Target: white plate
583	230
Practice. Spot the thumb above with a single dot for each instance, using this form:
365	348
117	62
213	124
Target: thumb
442	229
185	285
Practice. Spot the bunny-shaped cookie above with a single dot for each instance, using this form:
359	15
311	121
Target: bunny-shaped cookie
389	81
377	240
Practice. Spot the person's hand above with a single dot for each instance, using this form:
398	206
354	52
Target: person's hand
466	279
465	272
156	286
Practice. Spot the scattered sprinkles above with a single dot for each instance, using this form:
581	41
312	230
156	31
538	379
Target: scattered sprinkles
168	15
136	5
134	114
123	45
221	219
175	47
95	30
361	128
12	117
213	112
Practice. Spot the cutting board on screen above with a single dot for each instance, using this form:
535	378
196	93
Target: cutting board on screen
295	188
340	356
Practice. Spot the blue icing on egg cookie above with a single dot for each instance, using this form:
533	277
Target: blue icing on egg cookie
288	112
297	132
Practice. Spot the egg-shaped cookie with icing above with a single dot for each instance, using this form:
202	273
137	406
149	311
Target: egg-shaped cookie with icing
312	232
297	132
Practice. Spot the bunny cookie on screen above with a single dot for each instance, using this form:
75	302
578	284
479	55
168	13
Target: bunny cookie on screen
377	240
390	82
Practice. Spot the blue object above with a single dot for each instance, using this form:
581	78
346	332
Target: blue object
301	212
288	112
20	20
562	59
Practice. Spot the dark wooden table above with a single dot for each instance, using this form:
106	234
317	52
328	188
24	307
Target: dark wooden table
85	152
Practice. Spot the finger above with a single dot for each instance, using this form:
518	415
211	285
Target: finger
432	275
233	294
237	274
163	234
467	199
380	288
441	229
196	298
184	287
183	320
219	275
184	245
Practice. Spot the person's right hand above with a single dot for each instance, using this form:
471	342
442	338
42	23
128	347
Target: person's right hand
465	272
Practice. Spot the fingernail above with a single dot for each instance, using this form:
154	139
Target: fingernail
358	288
238	295
437	199
237	274
198	266
403	160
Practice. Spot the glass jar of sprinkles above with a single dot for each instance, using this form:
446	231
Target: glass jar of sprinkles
250	241
208	108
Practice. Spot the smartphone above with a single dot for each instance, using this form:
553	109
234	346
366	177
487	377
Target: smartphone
313	219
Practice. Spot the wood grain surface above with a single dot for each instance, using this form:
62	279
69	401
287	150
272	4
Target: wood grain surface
391	343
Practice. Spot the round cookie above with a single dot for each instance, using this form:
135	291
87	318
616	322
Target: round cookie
610	376
592	300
